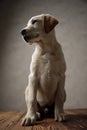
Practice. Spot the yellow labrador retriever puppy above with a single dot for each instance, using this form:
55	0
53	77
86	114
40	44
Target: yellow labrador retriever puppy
47	69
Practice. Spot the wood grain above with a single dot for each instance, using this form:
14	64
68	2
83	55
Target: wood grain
75	120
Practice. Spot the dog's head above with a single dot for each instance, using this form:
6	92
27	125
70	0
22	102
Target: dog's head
38	27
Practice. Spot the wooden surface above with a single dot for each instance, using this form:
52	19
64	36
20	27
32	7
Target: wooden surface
75	120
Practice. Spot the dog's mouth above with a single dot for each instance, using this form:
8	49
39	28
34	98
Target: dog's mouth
28	38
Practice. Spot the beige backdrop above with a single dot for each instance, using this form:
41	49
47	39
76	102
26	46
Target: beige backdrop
15	54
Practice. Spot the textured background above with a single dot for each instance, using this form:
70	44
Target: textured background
15	54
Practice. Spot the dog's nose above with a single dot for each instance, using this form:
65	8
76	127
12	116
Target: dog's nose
23	32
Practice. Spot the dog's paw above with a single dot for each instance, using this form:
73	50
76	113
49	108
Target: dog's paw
28	120
59	116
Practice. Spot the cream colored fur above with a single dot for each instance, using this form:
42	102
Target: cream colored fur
47	70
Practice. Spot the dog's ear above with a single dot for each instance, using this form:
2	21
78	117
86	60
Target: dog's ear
49	23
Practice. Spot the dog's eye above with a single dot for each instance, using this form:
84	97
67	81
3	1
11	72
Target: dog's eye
34	21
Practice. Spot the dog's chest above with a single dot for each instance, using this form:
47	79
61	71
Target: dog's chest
48	70
48	77
49	64
46	64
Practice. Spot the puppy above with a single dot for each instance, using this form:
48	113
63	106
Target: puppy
47	69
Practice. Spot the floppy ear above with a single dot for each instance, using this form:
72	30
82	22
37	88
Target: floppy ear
49	23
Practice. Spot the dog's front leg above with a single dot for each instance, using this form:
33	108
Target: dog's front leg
60	99
30	97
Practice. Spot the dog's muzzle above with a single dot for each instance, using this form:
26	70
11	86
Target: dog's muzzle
25	35
28	36
23	32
